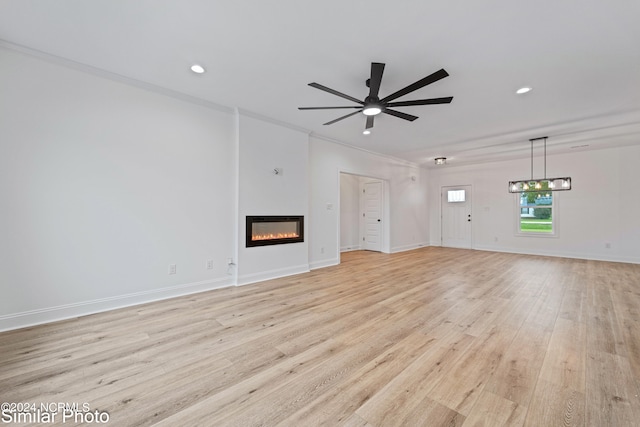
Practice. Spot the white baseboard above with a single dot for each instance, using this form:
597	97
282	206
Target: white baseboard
247	279
324	263
69	311
574	255
350	248
409	247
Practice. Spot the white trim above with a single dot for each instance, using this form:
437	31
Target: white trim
324	263
58	60
364	150
349	248
69	311
561	254
386	208
272	274
260	117
78	66
410	247
233	268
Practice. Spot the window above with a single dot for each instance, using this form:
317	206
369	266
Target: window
536	213
456	196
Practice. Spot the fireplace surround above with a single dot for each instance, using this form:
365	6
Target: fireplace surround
274	230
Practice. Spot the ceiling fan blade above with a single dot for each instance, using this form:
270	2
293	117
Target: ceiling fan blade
377	69
369	122
421	102
343	117
440	74
400	114
326	108
335	92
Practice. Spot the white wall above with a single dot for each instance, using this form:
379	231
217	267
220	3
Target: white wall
601	208
265	146
406	227
349	212
103	185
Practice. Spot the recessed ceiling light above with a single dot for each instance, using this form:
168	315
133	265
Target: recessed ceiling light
523	90
440	160
198	69
366	132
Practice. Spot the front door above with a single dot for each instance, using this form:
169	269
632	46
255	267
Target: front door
456	216
372	214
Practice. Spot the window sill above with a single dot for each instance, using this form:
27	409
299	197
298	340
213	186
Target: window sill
533	234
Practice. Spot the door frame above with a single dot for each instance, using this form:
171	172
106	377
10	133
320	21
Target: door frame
386	229
442	189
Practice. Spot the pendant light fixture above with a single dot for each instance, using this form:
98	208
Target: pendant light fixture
540	185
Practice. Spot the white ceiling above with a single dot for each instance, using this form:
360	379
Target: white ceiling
582	58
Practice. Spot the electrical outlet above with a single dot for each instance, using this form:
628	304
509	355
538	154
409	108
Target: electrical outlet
607	245
322	250
209	264
172	269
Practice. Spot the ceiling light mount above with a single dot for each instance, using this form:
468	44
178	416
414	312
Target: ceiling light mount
440	160
523	90
540	185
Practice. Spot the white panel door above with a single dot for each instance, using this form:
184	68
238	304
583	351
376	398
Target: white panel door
456	216
372	213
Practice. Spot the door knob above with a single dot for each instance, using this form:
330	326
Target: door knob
378	220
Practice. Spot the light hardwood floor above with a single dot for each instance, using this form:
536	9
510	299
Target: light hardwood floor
430	337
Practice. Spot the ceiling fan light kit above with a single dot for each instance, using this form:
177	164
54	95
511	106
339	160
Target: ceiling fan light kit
372	105
540	185
372	110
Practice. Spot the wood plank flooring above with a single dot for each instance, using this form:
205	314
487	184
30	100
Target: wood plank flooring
430	337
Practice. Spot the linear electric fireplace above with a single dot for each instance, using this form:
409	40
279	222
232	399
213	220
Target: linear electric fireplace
274	230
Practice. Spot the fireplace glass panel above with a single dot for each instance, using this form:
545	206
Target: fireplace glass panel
274	230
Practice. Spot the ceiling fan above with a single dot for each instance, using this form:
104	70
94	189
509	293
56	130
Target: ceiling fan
372	105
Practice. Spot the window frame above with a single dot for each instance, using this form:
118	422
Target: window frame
464	196
554	218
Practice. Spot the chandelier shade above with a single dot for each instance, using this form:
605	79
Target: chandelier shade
540	184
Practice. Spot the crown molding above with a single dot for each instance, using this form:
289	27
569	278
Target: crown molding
98	72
